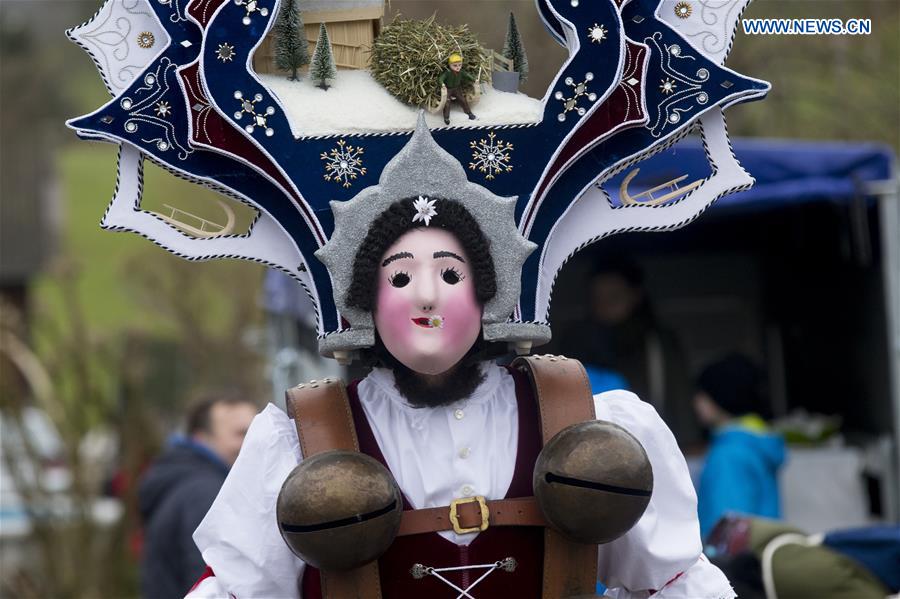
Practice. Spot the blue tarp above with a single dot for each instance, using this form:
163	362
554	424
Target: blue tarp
786	171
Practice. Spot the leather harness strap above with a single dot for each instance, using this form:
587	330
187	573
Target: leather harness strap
522	511
562	390
564	397
361	583
321	413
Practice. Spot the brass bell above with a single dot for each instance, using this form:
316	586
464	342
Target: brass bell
593	481
339	510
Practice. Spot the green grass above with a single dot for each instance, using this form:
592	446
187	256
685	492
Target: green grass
106	264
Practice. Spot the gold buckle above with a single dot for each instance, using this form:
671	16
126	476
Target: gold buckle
454	514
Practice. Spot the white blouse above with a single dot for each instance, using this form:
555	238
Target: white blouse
437	455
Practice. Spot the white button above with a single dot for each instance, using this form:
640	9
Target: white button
458	414
464	452
468	491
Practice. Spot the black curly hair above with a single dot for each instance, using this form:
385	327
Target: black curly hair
397	220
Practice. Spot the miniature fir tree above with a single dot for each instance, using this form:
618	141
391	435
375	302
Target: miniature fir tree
322	68
514	49
291	47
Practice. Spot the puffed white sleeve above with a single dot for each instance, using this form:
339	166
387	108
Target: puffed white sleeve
661	556
239	537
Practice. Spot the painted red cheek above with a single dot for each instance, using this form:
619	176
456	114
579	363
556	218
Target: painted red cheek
461	314
392	316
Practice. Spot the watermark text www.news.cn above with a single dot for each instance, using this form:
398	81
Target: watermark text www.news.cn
807	26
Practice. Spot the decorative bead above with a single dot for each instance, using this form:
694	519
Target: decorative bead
683	10
146	39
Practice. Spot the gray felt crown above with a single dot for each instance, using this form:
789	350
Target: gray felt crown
422	168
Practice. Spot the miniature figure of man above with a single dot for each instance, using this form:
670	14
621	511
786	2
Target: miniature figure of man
454	79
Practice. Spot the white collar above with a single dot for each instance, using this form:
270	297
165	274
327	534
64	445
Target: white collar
383	380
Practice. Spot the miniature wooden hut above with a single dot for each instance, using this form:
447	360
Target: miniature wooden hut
352	27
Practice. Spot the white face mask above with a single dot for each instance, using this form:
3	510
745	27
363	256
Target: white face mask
426	312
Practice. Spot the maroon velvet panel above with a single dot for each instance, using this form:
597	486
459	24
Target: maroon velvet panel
203	10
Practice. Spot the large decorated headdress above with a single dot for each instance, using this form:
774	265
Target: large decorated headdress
640	74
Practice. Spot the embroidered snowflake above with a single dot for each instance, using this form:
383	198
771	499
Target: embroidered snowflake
425	210
256	119
597	33
251	6
578	90
491	156
146	39
225	52
667	86
163	109
343	163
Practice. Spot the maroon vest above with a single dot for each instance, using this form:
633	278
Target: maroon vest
525	544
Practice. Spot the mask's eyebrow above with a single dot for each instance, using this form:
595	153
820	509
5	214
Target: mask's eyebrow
398	256
446	254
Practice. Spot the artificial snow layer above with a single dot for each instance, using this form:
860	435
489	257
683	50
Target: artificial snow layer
356	103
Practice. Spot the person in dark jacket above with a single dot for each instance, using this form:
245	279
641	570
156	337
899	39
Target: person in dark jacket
741	469
179	488
622	333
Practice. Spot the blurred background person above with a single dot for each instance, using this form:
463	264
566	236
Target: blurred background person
622	334
604	379
741	469
179	488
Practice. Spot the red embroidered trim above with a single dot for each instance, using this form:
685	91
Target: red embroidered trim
671	580
206	574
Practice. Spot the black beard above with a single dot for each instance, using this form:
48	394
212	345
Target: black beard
422	391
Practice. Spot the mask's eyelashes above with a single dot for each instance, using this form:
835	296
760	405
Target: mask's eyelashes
451	275
399	279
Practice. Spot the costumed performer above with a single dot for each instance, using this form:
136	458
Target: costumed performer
446	421
440	473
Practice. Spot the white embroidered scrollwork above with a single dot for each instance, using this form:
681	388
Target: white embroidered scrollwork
118	39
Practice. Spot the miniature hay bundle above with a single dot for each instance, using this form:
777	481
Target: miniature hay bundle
409	56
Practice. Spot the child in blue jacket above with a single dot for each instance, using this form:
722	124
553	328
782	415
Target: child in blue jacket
741	470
